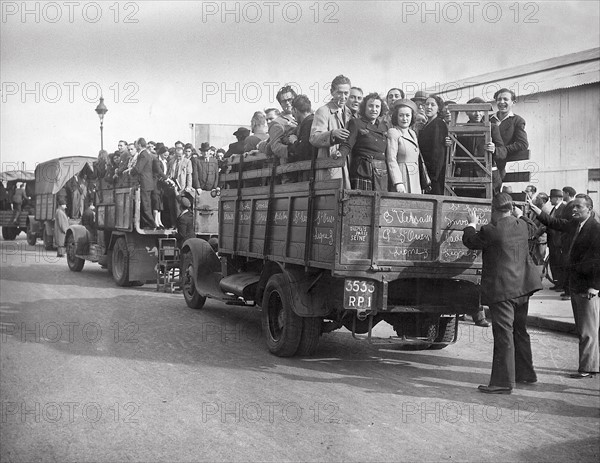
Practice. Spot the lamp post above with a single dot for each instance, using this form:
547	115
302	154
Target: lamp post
101	110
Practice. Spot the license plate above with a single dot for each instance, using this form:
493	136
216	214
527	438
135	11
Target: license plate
359	294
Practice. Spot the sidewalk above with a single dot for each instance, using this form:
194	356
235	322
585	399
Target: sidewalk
548	311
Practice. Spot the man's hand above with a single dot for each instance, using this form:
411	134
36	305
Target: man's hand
517	212
473	218
490	147
591	293
400	188
448	141
533	207
293	139
340	134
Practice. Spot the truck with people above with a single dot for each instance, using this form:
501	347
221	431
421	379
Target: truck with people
16	203
316	257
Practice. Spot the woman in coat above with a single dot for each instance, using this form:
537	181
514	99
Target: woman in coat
432	142
403	149
61	224
366	145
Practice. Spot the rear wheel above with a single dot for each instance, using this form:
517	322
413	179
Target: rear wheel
48	240
75	263
120	262
423	327
282	327
9	233
311	334
190	294
446	330
31	238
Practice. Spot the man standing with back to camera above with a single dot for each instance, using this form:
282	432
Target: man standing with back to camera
508	279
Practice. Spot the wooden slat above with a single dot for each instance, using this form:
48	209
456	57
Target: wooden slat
517	177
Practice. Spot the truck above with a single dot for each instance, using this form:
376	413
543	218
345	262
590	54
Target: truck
316	257
118	243
51	180
11	228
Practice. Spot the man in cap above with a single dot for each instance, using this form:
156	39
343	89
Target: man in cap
238	147
583	264
554	240
509	278
185	222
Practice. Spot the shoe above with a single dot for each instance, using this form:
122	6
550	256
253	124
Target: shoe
483	323
462	318
565	297
556	288
495	389
527	381
563	294
583	374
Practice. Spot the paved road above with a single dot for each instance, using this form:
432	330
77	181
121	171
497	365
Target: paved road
93	372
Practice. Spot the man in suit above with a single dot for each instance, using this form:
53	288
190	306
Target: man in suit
330	128
583	260
512	127
509	278
61	224
565	240
554	241
238	147
185	223
142	169
180	172
281	128
205	170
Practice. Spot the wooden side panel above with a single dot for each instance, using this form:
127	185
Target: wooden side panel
123	208
325	223
357	231
406	231
226	223
453	220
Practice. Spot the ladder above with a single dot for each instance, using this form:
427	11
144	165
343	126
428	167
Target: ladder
468	169
167	267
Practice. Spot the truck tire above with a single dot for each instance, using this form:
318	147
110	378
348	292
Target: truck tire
411	325
48	240
191	296
446	329
9	233
120	262
31	239
311	334
282	327
75	263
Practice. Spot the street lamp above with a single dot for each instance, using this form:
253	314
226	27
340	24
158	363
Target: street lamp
101	110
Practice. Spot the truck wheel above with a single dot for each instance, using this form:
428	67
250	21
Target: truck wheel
446	329
282	327
31	239
417	326
48	240
9	233
75	263
120	262
311	334
191	296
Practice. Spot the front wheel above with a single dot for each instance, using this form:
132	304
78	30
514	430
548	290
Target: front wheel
48	240
9	233
193	299
120	262
75	263
282	327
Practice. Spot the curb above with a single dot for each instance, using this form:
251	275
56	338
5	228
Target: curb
551	324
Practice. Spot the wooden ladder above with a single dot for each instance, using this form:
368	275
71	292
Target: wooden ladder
477	182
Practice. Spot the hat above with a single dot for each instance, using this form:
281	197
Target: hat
407	103
476	100
419	96
185	202
160	149
205	146
555	193
502	202
242	131
62	202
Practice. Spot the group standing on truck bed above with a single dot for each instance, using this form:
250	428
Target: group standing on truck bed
388	144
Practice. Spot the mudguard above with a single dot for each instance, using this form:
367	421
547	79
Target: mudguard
206	267
309	293
34	226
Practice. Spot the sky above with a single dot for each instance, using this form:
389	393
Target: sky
162	65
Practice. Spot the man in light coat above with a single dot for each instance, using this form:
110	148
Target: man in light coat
61	224
329	128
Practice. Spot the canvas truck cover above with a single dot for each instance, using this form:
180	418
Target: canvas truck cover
17	175
51	176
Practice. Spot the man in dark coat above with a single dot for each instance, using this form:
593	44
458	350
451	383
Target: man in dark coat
565	240
583	258
238	147
554	241
143	170
185	223
509	278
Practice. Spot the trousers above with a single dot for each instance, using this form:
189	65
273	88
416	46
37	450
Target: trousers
512	359
587	316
